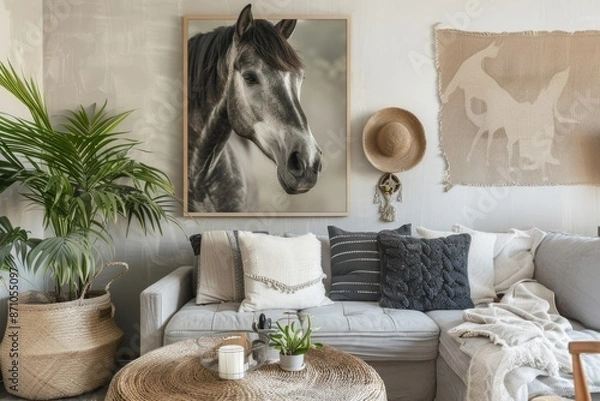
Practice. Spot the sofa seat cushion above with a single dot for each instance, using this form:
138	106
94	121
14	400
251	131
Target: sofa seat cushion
363	329
193	321
373	333
449	348
459	361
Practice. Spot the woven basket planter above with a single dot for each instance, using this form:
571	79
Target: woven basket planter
57	350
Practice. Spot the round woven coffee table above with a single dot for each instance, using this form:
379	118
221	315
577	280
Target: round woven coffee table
174	372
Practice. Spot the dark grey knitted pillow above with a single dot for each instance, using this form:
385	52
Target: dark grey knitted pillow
355	271
424	274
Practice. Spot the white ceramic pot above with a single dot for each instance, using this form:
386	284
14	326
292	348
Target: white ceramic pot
291	363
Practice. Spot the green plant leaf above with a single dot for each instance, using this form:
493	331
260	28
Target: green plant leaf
80	173
290	340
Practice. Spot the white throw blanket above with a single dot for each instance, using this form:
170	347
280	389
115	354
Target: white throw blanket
513	342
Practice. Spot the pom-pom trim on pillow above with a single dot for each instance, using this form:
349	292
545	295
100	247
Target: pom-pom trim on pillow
281	273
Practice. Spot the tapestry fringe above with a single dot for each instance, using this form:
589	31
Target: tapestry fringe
446	181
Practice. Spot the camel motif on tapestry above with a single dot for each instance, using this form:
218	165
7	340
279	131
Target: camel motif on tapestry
528	125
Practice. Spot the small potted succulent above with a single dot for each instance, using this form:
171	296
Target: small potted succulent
292	343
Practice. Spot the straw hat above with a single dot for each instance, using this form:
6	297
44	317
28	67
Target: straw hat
394	140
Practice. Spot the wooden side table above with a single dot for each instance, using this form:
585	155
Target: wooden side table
174	372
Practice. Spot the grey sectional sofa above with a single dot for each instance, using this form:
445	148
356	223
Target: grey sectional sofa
411	350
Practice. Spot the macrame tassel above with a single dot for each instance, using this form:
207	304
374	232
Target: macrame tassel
399	197
388	211
376	198
389	184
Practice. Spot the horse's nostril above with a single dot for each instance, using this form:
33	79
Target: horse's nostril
296	164
318	166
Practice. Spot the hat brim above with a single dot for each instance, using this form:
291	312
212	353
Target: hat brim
394	164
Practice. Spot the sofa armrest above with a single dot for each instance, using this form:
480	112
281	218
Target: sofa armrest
159	302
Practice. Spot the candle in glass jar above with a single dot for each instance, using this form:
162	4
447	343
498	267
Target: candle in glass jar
231	362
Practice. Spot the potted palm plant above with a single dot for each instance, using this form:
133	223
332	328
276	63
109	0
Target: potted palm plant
79	172
293	343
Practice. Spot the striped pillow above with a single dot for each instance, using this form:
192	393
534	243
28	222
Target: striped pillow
355	271
220	271
225	269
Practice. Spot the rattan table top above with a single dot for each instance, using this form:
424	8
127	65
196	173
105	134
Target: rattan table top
174	372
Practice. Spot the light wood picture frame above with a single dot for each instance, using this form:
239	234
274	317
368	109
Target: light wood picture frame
276	147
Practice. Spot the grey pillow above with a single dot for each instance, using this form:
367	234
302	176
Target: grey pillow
195	242
355	271
424	274
568	264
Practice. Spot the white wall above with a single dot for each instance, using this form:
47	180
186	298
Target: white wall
130	53
21	42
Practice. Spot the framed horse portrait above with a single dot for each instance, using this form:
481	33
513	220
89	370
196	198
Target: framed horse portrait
266	123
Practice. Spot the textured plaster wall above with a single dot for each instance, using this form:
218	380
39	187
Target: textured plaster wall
129	52
21	42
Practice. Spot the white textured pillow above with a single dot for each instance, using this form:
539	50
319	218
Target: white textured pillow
513	255
281	273
480	264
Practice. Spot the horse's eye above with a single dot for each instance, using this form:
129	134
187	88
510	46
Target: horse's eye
250	78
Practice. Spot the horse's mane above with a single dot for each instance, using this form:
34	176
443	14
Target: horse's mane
271	46
206	50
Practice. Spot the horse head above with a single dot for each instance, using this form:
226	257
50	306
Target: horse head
263	99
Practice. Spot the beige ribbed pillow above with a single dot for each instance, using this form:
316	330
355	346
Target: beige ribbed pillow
220	276
281	273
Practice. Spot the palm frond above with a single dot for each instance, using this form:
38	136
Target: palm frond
82	176
14	244
27	92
